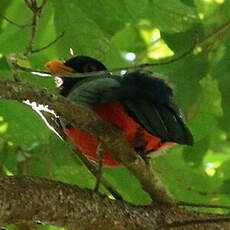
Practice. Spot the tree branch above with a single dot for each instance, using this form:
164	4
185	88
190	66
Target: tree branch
26	199
36	13
63	205
85	119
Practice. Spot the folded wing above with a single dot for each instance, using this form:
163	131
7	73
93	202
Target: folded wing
149	101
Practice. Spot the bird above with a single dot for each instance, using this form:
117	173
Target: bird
137	102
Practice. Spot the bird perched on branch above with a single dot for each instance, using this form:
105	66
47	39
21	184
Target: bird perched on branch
137	102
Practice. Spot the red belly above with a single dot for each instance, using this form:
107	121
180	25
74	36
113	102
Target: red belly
114	114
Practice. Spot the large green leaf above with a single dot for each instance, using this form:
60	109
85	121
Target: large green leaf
136	9
171	16
108	15
184	41
12	38
81	33
24	127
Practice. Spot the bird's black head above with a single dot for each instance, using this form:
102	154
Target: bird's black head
84	64
77	64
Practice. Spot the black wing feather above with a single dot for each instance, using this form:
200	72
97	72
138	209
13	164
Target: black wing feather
148	101
148	116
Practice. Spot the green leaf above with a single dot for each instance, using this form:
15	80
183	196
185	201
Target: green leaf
206	109
183	180
12	38
137	9
220	70
4	5
181	42
172	16
127	185
8	158
131	33
81	33
65	165
225	187
109	16
24	127
195	155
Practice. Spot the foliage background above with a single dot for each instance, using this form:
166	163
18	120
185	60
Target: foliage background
123	33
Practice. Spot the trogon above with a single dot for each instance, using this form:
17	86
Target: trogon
137	102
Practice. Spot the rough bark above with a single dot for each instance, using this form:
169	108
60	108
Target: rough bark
27	199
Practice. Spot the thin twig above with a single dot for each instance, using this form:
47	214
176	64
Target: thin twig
100	155
32	5
29	70
219	33
41	7
92	168
141	66
14	23
28	3
177	224
43	4
78	75
182	203
49	44
33	34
